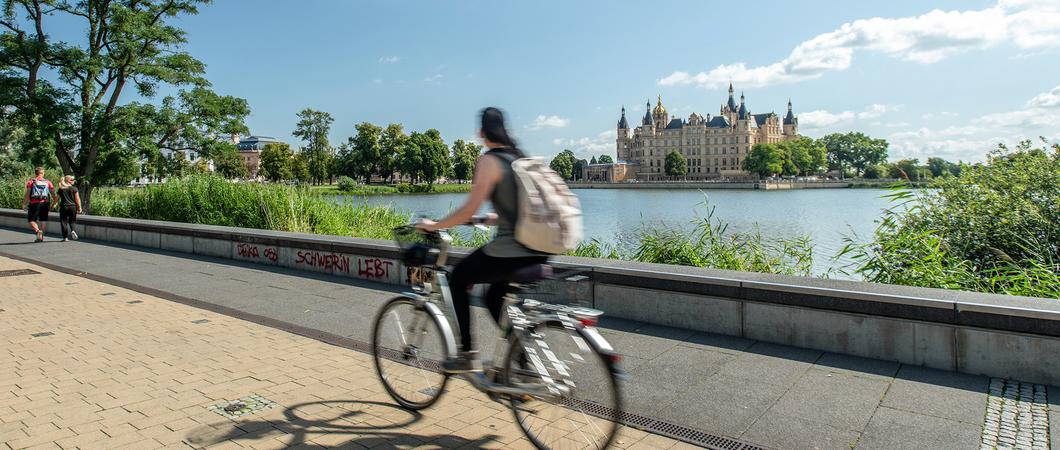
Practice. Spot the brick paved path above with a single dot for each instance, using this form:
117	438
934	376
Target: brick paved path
122	369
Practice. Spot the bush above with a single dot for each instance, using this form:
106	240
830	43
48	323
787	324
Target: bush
993	228
406	188
346	184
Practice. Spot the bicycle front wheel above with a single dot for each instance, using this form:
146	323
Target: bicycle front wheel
553	358
408	347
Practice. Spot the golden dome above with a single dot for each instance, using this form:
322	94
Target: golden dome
659	108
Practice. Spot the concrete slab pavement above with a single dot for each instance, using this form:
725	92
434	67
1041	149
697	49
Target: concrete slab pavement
721	384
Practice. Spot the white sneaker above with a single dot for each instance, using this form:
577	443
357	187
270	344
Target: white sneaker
73	235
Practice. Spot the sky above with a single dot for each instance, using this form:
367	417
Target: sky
935	78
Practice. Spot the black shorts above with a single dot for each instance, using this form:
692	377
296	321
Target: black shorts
38	212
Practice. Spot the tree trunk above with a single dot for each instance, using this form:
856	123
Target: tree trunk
85	190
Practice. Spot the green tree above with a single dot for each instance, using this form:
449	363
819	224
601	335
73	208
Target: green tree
605	159
854	151
300	167
675	165
228	162
563	164
939	167
391	146
436	159
276	162
313	127
411	160
877	171
593	160
805	156
365	152
464	156
70	94
177	164
911	169
765	160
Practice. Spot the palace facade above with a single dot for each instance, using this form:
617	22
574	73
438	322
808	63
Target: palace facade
713	146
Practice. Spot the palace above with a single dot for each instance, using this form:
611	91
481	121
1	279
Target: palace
714	147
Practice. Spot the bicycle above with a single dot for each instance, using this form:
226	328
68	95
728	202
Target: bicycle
559	375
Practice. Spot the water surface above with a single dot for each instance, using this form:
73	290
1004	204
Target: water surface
613	216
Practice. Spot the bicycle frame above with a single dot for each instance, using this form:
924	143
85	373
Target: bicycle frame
513	320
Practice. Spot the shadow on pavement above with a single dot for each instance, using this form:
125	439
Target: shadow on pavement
366	423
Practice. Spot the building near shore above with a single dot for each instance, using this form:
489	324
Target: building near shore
250	150
713	146
609	172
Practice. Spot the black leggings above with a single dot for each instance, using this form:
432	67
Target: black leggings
67	217
479	268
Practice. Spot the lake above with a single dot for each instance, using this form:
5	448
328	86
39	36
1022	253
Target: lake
827	216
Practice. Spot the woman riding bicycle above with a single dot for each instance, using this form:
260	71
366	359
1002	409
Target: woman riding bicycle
495	262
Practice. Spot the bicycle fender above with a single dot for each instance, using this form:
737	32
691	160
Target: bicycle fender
597	340
443	323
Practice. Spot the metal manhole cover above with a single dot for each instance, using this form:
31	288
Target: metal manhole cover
17	272
241	407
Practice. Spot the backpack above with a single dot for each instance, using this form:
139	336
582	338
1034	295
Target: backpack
39	190
550	216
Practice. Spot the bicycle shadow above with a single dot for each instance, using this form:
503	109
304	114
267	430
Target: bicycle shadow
348	423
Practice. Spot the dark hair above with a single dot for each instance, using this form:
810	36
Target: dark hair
493	130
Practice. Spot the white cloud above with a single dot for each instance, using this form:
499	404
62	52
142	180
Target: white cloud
587	147
542	122
390	60
824	119
876	110
819	119
971	141
927	38
1049	99
434	79
929	116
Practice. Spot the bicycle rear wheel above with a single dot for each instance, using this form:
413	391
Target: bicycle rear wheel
408	347
586	414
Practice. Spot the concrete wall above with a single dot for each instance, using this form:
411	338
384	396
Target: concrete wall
986	334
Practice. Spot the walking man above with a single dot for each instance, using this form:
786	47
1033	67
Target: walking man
39	194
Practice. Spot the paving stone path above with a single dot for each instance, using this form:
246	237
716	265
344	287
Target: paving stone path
777	396
88	365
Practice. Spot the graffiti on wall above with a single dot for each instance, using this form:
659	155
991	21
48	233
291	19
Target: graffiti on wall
374	268
255	252
325	261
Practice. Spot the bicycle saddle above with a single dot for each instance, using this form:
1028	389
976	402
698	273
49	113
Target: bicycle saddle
530	274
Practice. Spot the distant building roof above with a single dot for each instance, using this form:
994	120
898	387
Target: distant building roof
267	139
256	142
790	119
719	122
675	123
760	119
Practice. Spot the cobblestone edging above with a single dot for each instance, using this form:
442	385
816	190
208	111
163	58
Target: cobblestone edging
1017	416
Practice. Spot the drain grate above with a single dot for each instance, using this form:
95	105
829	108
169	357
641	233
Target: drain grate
645	423
42	334
18	272
241	407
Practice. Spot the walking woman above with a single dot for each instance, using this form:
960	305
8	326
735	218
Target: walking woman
69	206
495	262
